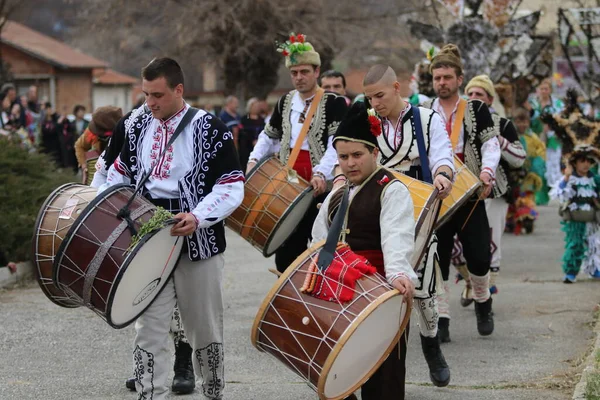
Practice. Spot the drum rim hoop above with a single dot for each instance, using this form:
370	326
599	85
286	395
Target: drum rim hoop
285	214
433	201
77	224
34	243
123	269
348	334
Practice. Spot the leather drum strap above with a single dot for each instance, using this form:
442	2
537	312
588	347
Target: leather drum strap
460	115
311	111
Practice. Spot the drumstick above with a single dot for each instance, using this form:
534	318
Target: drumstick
274	271
473	209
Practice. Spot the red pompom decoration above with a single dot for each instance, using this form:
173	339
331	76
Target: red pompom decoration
300	38
375	125
292	39
285	53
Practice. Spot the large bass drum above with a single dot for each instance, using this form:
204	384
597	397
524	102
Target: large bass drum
95	264
275	201
335	347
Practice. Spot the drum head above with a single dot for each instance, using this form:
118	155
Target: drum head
424	228
357	355
288	222
142	277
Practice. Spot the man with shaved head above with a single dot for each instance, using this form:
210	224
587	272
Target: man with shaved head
433	163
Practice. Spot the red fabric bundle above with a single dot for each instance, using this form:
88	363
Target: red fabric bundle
338	281
303	165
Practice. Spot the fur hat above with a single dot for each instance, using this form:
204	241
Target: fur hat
359	125
448	56
580	135
298	51
104	119
484	82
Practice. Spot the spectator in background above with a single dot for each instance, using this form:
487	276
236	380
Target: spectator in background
230	117
335	82
58	139
11	91
251	126
80	124
32	100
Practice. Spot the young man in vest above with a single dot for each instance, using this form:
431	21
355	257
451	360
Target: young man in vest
317	157
380	226
399	150
475	143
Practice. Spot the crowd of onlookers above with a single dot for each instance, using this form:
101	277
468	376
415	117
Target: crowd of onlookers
39	127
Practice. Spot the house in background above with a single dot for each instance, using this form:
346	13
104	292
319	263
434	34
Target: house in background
111	88
64	76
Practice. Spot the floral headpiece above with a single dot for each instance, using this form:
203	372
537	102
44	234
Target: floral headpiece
298	51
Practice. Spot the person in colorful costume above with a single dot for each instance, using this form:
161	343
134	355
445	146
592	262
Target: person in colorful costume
522	213
579	189
198	178
184	381
475	142
97	134
513	156
399	150
317	157
379	226
544	103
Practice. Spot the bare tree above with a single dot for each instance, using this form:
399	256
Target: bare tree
238	36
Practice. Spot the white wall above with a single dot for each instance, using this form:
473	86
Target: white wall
119	96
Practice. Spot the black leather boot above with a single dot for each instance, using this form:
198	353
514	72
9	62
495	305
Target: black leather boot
444	330
485	320
439	373
184	380
130	384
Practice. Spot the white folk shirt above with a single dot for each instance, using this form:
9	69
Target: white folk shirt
440	147
397	229
490	150
266	146
163	183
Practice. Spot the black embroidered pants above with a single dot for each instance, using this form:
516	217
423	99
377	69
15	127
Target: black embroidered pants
475	239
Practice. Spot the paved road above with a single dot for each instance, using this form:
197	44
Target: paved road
542	330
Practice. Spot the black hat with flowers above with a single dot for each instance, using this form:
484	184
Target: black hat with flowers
359	125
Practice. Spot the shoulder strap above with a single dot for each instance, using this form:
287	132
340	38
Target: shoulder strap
185	121
460	115
311	111
421	145
327	253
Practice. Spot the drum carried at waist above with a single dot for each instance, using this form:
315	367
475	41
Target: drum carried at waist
464	186
275	201
335	347
427	207
85	250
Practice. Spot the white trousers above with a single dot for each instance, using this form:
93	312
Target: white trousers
196	287
496	210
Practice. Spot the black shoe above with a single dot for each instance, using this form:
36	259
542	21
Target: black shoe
444	330
439	373
130	384
184	380
485	320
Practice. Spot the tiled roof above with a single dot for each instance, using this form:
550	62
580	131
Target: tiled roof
46	48
111	77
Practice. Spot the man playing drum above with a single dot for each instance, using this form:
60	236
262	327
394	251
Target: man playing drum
379	226
198	178
473	135
317	157
183	378
399	149
482	88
